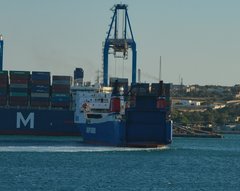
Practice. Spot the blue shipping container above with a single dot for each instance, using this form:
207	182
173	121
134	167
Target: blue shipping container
18	89
40	99
36	88
60	99
41	76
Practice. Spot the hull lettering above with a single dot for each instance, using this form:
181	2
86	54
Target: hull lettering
25	122
91	130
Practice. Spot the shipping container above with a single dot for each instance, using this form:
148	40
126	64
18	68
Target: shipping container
60	89
3	100
3	90
40	101
140	89
19	94
40	95
40	78
3	87
18	100
155	88
60	105
18	85
43	104
62	78
19	80
40	75
60	99
3	72
4	80
41	82
19	73
40	88
23	90
19	88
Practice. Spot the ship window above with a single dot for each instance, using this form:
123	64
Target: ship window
96	116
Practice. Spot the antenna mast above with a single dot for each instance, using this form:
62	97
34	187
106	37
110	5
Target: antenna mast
160	69
1	52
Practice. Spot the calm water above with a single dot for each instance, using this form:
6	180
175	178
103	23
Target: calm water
65	164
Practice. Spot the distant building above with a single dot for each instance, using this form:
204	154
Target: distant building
237	119
218	106
189	103
237	95
192	88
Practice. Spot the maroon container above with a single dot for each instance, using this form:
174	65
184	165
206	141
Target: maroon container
3	80
3	76
3	86
19	81
3	100
68	78
60	89
61	105
41	82
18	98
19	77
18	103
40	103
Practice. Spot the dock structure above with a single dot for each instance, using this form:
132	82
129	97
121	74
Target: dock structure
186	131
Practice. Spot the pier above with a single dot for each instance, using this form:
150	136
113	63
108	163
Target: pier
186	131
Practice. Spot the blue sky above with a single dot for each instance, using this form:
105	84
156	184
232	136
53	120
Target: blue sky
199	40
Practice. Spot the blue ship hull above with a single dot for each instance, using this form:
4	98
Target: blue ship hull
109	133
138	129
37	122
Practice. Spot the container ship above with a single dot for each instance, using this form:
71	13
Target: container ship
117	114
31	105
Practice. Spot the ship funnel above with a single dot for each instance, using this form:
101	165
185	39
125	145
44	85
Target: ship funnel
78	76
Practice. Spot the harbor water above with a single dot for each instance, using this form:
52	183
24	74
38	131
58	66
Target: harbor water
49	163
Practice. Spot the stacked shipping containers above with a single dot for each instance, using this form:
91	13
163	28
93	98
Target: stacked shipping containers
40	89
61	91
155	89
3	87
140	89
19	88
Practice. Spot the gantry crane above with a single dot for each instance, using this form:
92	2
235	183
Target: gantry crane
119	41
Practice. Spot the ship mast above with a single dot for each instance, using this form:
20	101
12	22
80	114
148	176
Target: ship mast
1	52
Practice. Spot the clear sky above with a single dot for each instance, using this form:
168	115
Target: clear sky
199	40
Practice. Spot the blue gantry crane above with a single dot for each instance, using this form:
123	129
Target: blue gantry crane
118	41
1	52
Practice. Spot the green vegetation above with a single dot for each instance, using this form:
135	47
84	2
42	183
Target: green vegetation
209	97
223	116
